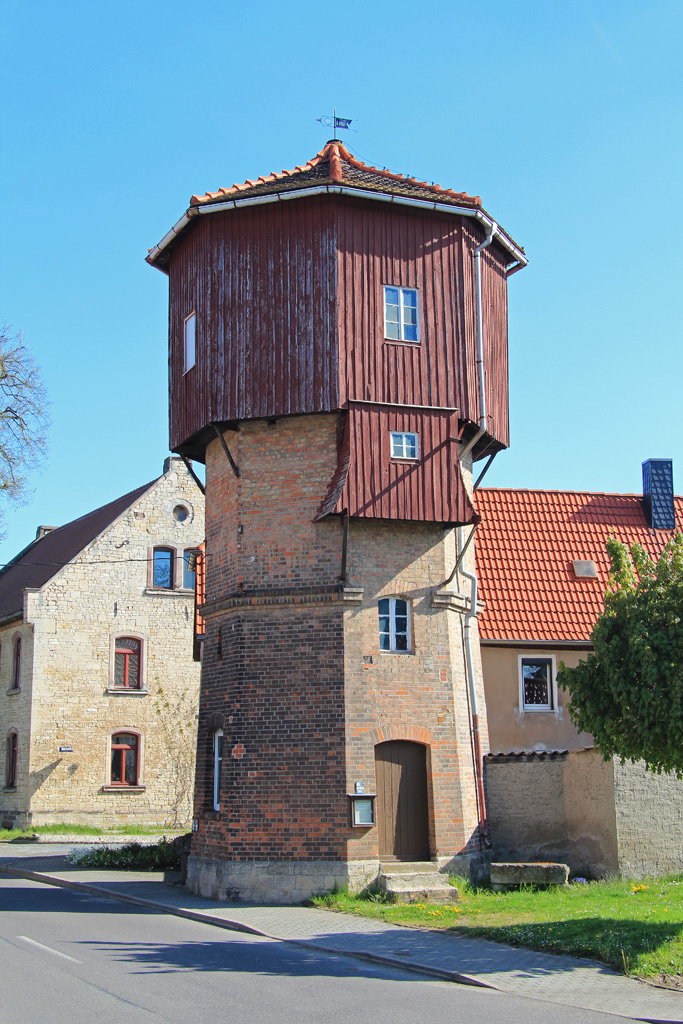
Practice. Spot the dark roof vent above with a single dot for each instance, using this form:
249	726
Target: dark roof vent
658	494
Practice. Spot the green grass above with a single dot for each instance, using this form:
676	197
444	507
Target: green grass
161	856
84	830
636	927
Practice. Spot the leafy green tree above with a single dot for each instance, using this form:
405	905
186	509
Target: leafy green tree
629	693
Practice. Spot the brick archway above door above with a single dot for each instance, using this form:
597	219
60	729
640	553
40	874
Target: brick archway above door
414	733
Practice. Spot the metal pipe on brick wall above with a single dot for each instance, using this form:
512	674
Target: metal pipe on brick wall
474	706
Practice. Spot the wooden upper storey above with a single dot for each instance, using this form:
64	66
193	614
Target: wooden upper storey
289	299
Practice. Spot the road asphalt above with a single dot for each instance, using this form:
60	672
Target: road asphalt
556	979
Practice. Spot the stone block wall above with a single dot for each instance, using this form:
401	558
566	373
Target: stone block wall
553	806
103	593
15	716
649	815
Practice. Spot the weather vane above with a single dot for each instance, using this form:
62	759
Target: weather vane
335	122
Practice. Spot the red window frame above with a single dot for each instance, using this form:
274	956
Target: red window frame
118	754
125	653
16	664
11	761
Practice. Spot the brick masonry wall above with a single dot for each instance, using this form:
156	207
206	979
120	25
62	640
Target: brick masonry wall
73	620
272	672
292	671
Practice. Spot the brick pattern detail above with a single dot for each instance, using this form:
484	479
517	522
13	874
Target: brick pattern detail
296	674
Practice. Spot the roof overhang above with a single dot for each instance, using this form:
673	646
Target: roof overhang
158	255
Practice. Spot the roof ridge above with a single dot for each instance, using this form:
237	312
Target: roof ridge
334	152
548	490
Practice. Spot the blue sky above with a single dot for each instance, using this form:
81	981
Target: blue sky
565	118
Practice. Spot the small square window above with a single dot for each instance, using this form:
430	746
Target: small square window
537	684
394	624
401	320
404	445
189	339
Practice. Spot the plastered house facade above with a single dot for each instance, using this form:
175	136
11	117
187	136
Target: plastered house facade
544	569
98	687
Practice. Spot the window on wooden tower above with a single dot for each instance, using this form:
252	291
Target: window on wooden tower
162	575
401	314
404	445
124	759
537	684
189	339
394	624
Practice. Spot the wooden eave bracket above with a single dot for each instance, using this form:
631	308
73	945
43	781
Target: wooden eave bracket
219	435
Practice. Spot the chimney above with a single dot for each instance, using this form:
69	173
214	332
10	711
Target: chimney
658	494
43	531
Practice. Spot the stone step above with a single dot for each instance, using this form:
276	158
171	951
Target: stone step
415	879
416	887
400	867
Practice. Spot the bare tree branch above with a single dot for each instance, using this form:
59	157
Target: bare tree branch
24	419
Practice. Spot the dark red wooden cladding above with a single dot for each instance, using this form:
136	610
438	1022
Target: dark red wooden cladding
379	486
262	283
381	245
289	302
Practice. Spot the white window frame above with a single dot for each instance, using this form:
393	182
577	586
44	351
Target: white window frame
217	768
552	686
189	341
402	325
397	440
392	625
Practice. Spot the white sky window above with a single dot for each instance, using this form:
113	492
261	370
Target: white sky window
404	445
394	624
189	340
400	314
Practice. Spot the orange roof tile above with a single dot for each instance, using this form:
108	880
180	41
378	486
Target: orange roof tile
335	163
525	549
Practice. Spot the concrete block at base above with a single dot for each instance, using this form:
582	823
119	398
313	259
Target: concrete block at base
511	875
283	882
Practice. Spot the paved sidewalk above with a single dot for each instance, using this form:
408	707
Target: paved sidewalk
558	979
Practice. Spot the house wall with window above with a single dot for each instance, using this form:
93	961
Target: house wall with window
107	729
539	722
15	719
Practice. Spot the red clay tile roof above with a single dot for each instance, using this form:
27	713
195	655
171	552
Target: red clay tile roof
336	164
42	559
524	551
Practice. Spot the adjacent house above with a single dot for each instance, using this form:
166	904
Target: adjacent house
98	687
543	569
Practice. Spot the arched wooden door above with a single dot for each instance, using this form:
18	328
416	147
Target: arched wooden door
402	801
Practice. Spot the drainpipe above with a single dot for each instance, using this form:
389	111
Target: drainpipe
474	705
492	232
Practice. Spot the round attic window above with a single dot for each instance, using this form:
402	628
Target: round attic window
181	513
